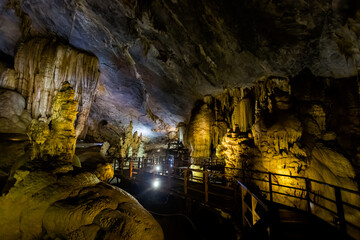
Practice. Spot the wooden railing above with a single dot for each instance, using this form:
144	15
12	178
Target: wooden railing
210	181
305	191
270	190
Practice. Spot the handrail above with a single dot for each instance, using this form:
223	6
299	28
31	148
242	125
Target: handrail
307	188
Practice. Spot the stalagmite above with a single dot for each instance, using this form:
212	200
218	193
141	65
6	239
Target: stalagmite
129	143
55	137
199	131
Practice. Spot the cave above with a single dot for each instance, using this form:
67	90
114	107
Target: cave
169	119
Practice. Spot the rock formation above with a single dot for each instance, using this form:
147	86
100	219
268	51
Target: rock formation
13	116
200	131
129	143
47	198
74	205
42	66
159	57
252	60
97	164
295	133
237	151
56	136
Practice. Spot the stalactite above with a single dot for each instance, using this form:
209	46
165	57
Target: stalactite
42	65
243	114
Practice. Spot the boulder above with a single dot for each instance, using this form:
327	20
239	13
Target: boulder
75	204
13	116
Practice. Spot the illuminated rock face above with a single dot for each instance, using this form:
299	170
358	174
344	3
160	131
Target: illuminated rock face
238	151
296	134
56	136
48	198
42	66
199	133
212	117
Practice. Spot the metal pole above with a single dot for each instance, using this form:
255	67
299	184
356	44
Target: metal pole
308	190
243	207
270	188
185	181
131	169
122	166
169	178
206	186
340	210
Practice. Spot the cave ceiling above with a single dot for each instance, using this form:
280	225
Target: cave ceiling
156	58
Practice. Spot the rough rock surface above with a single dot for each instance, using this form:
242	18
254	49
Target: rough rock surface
237	151
158	57
96	163
74	205
13	116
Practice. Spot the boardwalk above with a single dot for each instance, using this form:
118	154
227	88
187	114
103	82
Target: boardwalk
261	217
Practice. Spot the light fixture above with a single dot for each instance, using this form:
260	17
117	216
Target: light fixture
156	183
158	168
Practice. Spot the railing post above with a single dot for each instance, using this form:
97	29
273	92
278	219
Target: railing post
235	189
243	175
243	207
154	171
340	209
253	212
206	186
308	190
131	169
122	166
270	187
169	178
185	181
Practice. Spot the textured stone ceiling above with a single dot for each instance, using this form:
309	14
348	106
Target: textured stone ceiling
158	57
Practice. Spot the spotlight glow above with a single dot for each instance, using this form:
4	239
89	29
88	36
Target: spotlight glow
158	168
156	183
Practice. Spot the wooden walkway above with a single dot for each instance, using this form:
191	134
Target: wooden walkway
261	219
